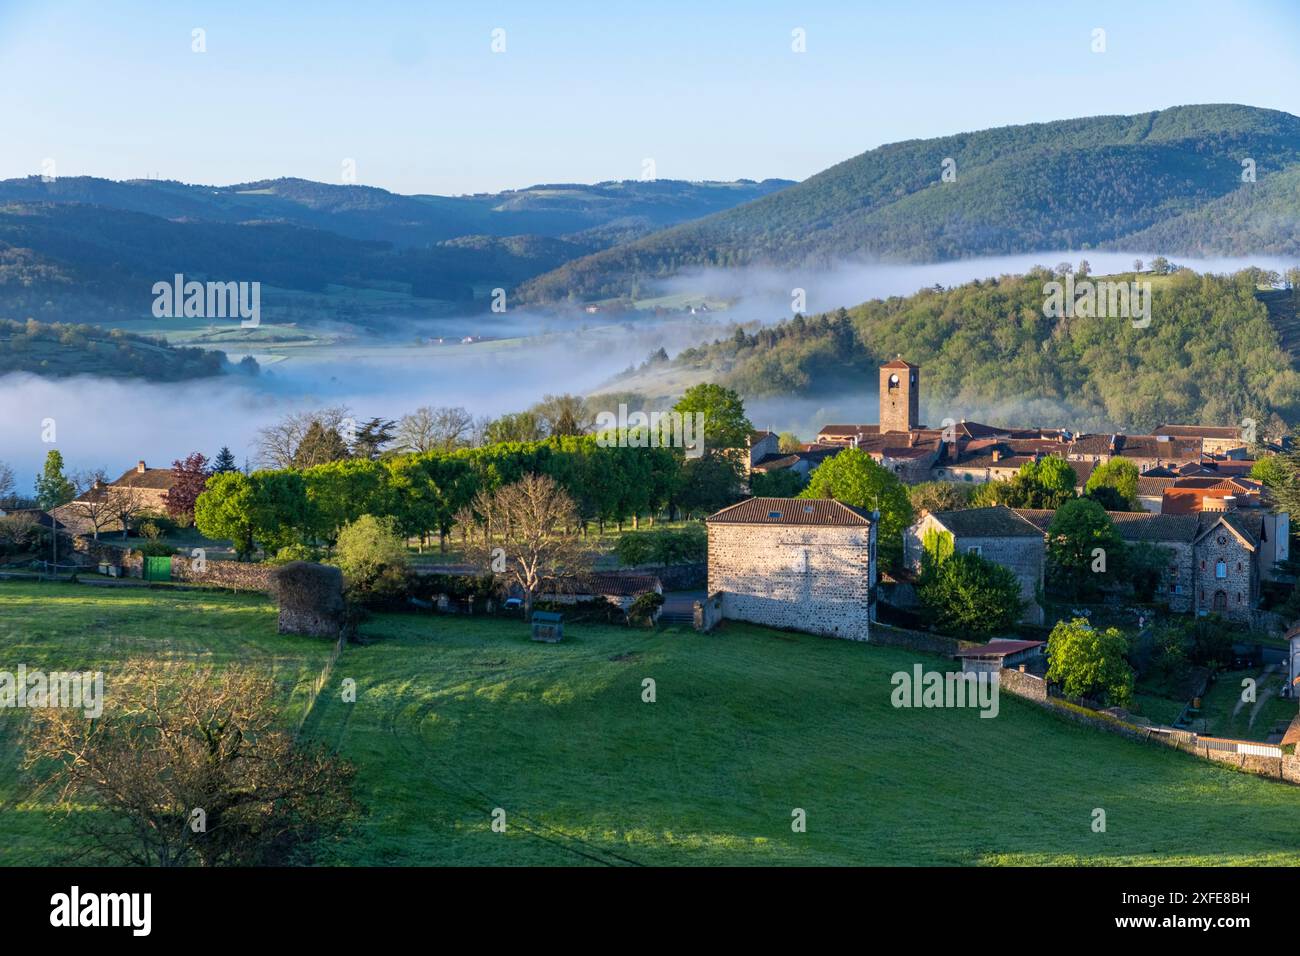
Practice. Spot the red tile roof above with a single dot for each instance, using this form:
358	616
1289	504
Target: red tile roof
998	648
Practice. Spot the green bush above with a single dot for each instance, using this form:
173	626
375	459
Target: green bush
686	545
644	607
295	552
373	559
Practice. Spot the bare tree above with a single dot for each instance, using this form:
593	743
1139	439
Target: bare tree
278	444
430	428
529	537
8	486
189	767
95	504
565	415
126	504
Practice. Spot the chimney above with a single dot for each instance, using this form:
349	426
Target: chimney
911	439
139	467
997	455
99	484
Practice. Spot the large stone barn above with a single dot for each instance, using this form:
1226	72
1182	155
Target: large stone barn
807	564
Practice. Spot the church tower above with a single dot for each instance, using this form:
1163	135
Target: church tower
900	396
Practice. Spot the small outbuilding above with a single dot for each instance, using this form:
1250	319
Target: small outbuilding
995	655
548	626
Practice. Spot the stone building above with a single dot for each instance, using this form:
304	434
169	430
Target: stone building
806	564
997	534
1216	559
140	492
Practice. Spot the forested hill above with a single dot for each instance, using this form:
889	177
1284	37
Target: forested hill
1211	355
1101	181
57	350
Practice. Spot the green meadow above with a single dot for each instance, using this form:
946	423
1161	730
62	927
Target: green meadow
458	718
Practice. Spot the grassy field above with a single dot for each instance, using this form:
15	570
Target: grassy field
1224	714
456	717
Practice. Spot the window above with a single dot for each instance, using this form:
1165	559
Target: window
975	550
1221	570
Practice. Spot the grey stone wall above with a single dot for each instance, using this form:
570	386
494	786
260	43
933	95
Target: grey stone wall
805	578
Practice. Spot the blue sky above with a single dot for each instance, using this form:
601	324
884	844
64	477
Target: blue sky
586	91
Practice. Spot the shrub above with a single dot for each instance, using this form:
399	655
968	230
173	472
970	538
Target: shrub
372	558
294	552
310	598
644	607
155	549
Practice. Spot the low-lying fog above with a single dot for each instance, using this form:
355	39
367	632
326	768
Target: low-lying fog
113	423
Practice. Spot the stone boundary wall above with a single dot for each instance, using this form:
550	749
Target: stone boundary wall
1021	684
235	575
1285	768
922	641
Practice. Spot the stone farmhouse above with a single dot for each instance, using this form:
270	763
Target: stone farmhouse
996	534
806	564
142	492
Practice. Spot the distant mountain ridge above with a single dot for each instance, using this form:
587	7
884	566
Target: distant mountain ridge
1161	180
78	247
368	212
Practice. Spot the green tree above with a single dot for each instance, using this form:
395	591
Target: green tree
725	424
1090	663
707	483
854	478
515	427
223	511
1084	550
1120	474
1047	483
782	483
964	594
52	486
225	461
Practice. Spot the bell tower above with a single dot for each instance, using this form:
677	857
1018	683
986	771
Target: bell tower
900	396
